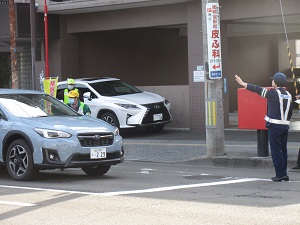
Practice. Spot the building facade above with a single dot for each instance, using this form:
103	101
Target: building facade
157	46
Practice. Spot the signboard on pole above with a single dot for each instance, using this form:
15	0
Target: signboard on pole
214	40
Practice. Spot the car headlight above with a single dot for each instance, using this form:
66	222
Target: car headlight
116	131
52	133
127	106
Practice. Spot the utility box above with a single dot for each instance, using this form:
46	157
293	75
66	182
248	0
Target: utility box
251	110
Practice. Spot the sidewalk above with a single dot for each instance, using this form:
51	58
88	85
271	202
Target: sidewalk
181	146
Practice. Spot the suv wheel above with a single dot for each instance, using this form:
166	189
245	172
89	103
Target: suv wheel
19	161
96	171
110	118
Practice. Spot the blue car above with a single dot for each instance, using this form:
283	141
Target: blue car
38	132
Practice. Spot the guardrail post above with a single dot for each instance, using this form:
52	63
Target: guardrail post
298	162
262	143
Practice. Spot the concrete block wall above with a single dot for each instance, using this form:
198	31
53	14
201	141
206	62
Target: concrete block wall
178	96
195	58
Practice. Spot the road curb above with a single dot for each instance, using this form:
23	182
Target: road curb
237	162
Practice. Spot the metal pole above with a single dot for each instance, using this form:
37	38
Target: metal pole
33	40
262	143
213	99
46	38
13	46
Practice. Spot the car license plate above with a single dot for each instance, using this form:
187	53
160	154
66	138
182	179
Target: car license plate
98	153
157	117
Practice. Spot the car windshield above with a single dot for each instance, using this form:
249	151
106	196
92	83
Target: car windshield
34	105
114	88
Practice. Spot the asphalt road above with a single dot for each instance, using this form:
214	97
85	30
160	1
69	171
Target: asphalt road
151	193
159	183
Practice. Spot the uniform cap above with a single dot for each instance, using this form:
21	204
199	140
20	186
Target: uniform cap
71	81
279	77
73	94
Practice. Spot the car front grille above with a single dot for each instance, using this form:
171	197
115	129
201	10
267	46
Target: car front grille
156	108
87	157
95	139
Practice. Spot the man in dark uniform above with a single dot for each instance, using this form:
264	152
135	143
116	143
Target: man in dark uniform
278	117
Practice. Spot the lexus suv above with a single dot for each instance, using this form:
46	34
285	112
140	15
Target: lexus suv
123	105
38	132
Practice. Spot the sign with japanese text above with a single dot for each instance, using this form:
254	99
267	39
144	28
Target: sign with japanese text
214	40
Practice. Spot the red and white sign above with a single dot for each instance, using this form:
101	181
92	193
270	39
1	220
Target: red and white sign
214	40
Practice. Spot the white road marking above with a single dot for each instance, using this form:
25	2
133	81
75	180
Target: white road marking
150	190
16	203
177	187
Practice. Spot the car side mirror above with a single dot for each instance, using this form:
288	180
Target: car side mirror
87	95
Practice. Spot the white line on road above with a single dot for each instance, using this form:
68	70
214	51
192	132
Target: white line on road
16	203
150	190
170	188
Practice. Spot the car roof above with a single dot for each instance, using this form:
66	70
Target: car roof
92	79
18	91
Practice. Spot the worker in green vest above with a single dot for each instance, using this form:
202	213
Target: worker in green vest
63	94
76	104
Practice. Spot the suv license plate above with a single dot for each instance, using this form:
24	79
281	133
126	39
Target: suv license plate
98	153
157	117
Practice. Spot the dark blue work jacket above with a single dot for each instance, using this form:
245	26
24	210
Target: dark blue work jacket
274	112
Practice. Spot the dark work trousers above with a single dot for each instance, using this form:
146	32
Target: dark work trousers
278	143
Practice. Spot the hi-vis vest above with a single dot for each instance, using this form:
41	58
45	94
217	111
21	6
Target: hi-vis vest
80	109
283	115
66	97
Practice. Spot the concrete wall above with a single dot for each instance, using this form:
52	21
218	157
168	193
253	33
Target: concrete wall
254	58
172	14
195	54
150	56
178	95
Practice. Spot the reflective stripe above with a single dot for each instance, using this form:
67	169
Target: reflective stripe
80	109
264	93
289	99
66	97
283	115
283	122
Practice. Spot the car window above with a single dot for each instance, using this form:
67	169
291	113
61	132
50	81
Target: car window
114	88
81	88
35	105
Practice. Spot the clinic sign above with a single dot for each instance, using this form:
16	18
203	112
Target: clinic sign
214	40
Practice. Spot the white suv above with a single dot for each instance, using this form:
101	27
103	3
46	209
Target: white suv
121	104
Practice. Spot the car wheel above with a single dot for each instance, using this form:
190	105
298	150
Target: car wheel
19	161
110	118
155	129
96	171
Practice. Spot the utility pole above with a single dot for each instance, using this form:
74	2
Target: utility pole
213	79
13	46
33	40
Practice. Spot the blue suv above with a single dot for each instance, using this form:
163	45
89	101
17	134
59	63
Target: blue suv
38	132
